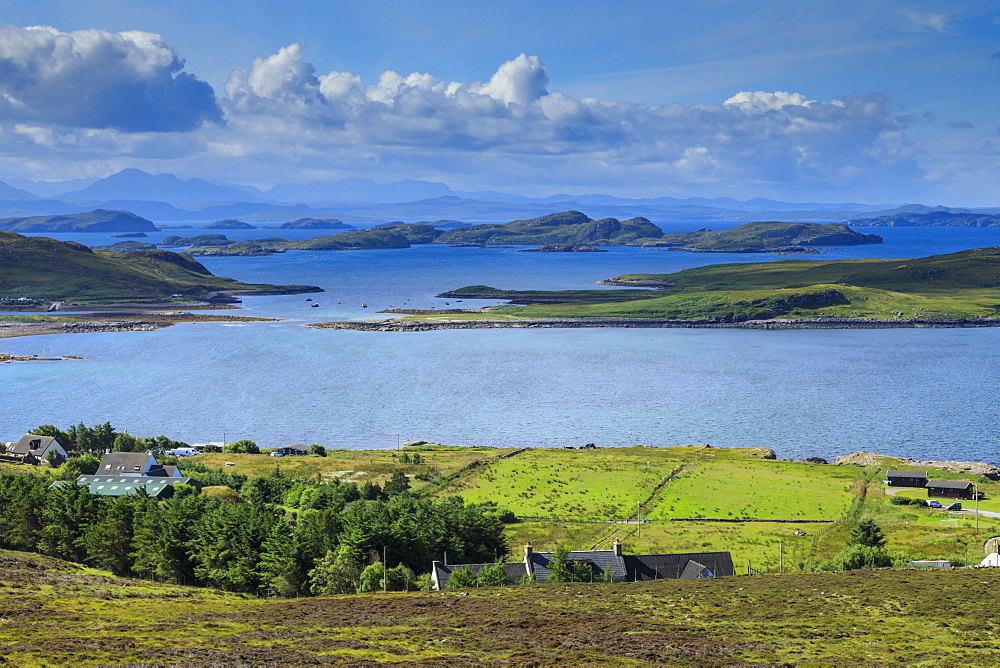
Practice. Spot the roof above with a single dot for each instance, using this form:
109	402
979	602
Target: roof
32	444
133	463
515	571
105	485
603	561
659	566
906	474
949	484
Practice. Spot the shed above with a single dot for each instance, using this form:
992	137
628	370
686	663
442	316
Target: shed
906	478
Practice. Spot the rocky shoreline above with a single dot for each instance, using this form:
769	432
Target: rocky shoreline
633	323
125	322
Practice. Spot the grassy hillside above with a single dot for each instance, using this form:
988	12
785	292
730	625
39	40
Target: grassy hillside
42	268
57	613
957	285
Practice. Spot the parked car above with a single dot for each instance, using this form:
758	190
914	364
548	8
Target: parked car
934	503
277	454
953	506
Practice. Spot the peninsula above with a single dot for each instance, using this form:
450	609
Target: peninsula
98	220
954	290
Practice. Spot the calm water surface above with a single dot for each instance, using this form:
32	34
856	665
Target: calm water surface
926	393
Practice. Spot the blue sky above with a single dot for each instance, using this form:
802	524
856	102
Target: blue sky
819	101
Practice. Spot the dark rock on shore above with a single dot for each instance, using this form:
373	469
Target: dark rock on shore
564	248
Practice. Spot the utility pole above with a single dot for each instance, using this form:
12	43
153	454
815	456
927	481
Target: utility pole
976	485
385	584
638	523
781	557
397	441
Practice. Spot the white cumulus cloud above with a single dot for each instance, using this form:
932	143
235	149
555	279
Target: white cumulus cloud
131	81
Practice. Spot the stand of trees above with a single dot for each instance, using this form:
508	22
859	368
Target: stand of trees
250	542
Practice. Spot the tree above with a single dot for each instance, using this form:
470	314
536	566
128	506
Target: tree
399	578
127	443
492	575
398	485
868	533
244	446
335	574
462	579
858	556
317	449
371	577
559	568
278	572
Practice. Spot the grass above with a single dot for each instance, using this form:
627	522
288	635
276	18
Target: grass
916	617
359	466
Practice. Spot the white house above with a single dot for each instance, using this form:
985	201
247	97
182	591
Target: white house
35	449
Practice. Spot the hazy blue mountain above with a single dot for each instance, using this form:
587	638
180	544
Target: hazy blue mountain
135	184
48	188
357	190
9	192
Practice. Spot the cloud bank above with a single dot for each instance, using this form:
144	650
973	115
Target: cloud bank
129	81
114	100
753	137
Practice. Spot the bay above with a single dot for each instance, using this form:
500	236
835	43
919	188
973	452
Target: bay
927	393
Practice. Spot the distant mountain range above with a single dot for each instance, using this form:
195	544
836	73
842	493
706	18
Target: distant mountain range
364	203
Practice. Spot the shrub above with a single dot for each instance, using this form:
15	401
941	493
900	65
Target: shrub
493	575
462	579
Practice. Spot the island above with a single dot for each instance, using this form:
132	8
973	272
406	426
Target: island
98	220
229	224
315	224
573	228
395	235
953	290
931	219
763	237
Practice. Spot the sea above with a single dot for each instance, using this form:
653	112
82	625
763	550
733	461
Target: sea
918	393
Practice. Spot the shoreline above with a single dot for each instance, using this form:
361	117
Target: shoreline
127	321
652	323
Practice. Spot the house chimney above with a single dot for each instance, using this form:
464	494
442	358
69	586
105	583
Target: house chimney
527	550
617	547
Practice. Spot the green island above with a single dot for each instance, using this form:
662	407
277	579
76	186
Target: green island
137	290
268	560
956	289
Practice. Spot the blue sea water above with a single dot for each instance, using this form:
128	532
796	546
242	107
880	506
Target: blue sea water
924	393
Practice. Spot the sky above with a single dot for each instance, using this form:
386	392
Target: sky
846	101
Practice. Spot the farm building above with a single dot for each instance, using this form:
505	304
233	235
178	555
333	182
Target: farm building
906	478
951	489
611	565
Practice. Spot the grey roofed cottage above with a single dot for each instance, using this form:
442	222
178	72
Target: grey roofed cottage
684	566
605	563
906	478
951	489
38	447
127	463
